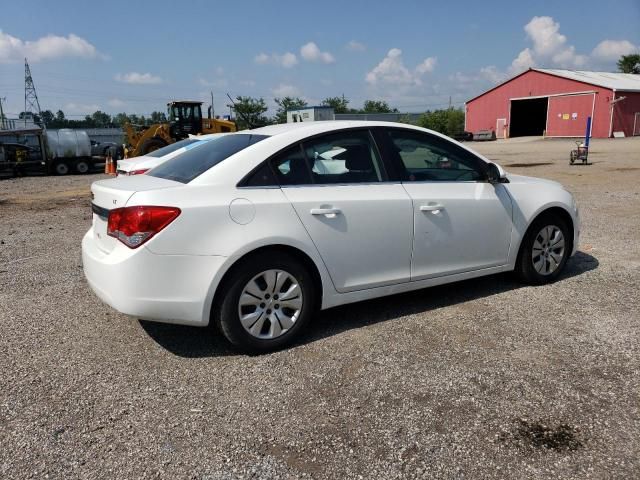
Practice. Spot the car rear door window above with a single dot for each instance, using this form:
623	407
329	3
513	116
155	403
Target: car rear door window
344	157
425	157
290	167
192	163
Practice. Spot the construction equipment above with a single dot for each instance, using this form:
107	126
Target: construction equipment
185	118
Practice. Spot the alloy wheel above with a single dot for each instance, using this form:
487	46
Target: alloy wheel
548	250
270	304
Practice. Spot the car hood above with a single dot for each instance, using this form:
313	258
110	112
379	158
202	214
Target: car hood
522	179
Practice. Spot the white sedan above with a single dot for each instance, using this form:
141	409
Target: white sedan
245	233
144	163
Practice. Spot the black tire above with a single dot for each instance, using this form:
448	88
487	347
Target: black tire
525	269
61	167
152	144
225	313
82	167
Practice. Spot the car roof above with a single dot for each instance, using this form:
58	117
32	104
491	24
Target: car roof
283	135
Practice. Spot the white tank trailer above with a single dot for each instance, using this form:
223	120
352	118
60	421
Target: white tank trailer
68	150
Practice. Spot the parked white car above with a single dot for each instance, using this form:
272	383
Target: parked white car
144	163
244	233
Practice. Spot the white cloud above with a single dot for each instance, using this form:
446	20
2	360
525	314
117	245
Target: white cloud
116	103
612	50
354	46
262	58
284	90
492	74
248	83
549	47
135	78
427	65
286	60
81	108
392	70
312	53
215	83
523	61
14	50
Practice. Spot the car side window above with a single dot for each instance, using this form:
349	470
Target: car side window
261	177
343	157
290	167
430	158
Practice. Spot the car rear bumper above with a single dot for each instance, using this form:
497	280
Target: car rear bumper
164	288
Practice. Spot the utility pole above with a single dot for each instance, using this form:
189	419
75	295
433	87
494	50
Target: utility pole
2	124
31	103
213	113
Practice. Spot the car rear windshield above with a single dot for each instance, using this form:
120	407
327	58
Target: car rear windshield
161	152
192	163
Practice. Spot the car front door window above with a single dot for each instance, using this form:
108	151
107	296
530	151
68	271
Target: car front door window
348	157
425	157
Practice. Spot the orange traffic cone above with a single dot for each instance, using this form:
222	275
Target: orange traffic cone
107	161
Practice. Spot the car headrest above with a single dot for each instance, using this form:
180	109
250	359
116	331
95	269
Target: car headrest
357	158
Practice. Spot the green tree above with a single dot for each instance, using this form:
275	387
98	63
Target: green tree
448	121
48	117
629	63
158	117
120	119
60	116
287	103
101	119
250	112
339	104
377	106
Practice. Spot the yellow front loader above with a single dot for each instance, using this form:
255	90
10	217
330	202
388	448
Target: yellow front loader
185	118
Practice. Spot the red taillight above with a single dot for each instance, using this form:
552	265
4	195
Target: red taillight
133	226
138	172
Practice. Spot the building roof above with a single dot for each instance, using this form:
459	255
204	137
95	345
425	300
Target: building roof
627	82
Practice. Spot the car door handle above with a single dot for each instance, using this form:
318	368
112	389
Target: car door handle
325	211
435	208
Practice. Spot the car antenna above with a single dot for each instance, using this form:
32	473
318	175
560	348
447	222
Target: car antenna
240	112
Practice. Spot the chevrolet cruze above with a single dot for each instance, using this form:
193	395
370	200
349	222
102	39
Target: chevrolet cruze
256	230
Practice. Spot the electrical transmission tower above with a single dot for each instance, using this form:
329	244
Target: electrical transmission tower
31	103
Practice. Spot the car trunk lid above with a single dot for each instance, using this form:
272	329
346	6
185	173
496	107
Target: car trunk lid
115	193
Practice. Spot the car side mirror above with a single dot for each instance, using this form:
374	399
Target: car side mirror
495	173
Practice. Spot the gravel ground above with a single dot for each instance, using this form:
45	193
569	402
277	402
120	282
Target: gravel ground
479	379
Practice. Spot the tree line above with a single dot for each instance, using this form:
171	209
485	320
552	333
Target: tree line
251	112
97	119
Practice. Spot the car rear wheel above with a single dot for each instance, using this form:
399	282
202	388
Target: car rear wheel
544	251
265	303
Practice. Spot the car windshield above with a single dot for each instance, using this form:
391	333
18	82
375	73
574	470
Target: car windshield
161	152
192	163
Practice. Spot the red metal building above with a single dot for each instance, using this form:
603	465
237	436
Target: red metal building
556	103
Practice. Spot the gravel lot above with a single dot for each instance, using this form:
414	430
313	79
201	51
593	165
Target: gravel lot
479	379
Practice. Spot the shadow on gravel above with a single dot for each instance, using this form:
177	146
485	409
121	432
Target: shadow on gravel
193	342
188	342
347	317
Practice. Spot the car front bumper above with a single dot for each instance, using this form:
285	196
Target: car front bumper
164	288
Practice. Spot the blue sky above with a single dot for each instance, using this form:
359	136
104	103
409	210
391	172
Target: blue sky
134	56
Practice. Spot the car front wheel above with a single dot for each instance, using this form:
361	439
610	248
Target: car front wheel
544	251
266	302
